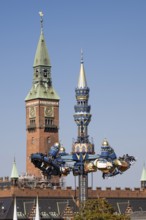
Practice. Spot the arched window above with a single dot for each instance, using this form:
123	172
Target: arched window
49	140
32	140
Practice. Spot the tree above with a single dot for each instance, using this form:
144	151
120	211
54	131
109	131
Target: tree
98	209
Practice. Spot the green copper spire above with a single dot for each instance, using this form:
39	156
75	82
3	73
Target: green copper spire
143	175
42	82
14	173
41	56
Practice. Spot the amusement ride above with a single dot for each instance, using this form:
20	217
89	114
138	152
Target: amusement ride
83	159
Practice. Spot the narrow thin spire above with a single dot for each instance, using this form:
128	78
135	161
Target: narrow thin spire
15	210
14	172
37	213
41	20
82	60
82	77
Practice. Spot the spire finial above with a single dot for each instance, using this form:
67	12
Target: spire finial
41	19
82	61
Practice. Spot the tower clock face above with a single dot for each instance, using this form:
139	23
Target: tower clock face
32	112
49	111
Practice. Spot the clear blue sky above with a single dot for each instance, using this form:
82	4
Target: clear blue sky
113	37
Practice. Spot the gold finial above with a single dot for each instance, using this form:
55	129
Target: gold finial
62	149
82	61
41	19
105	143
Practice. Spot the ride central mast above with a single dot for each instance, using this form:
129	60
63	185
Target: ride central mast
82	117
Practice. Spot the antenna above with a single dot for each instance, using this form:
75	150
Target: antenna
82	61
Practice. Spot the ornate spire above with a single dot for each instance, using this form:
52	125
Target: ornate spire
82	115
82	83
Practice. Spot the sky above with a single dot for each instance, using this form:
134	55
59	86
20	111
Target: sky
112	35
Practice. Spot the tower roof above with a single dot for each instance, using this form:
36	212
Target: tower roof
42	92
82	83
42	83
41	55
143	175
14	173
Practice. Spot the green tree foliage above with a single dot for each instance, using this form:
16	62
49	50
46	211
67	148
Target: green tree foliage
98	209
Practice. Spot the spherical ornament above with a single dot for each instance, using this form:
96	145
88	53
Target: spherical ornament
56	144
62	149
105	143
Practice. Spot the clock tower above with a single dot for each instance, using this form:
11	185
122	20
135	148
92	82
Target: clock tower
42	107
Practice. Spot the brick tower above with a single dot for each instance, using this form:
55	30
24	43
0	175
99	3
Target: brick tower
42	106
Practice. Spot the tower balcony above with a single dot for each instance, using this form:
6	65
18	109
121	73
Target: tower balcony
31	127
50	128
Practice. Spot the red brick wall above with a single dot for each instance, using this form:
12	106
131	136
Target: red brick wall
70	193
39	136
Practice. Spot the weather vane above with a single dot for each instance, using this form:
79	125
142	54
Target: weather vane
41	16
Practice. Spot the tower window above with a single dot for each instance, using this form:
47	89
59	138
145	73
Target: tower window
45	72
49	125
37	72
32	125
32	140
32	121
48	121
